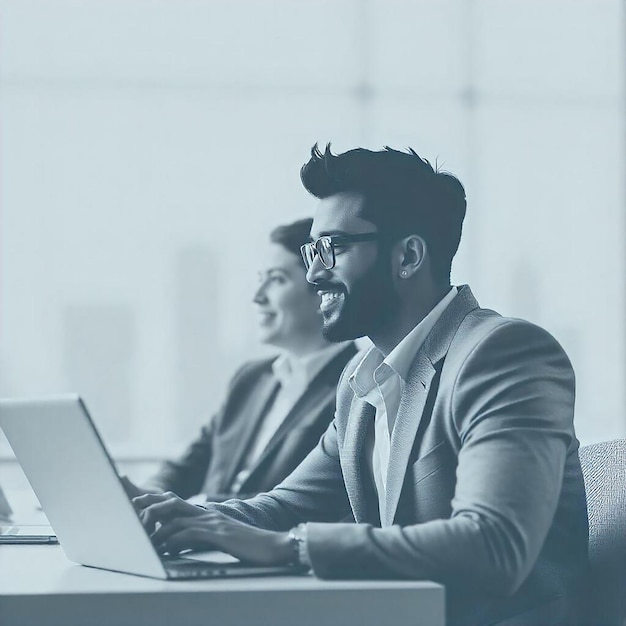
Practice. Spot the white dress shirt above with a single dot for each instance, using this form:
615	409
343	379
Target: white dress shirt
380	382
294	375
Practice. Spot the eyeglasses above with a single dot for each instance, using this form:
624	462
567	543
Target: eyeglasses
324	247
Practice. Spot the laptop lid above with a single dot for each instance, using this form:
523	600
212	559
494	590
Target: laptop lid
70	471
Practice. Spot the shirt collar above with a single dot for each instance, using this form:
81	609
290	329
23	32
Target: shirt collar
289	369
362	379
400	358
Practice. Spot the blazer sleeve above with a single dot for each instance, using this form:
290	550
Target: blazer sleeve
512	408
314	491
186	475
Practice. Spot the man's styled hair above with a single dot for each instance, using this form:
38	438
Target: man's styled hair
292	236
403	195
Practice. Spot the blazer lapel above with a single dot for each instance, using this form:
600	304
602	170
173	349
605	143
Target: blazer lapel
257	406
306	411
352	457
311	403
405	428
415	394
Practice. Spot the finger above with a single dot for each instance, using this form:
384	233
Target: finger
145	503
164	530
148	499
160	512
147	522
189	538
168	509
167	528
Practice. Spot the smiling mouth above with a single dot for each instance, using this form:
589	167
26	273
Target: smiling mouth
265	317
330	299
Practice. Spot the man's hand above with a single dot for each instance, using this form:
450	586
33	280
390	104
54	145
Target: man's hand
175	525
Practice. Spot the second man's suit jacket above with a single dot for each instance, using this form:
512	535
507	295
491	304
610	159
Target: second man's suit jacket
212	461
484	488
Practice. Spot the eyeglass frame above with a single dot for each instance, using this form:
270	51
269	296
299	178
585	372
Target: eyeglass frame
332	240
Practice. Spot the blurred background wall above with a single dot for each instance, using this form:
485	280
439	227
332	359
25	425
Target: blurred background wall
147	145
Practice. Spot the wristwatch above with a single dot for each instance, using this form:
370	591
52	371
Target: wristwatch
298	538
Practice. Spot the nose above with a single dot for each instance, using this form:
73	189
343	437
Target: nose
260	297
316	271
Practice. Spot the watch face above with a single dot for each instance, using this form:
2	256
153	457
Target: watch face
298	536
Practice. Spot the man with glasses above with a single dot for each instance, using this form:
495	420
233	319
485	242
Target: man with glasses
453	446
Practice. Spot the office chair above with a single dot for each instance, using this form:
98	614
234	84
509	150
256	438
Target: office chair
604	471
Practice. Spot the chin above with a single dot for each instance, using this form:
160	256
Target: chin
335	332
266	336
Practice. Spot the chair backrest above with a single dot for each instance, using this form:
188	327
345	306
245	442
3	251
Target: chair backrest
604	470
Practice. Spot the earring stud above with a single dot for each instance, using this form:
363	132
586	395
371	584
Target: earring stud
404	273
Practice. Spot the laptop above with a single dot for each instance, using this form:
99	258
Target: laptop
62	455
21	533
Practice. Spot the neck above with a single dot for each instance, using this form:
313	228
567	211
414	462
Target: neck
411	313
300	349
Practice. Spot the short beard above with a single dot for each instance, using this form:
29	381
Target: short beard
370	306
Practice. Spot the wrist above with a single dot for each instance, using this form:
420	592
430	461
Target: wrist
299	546
283	550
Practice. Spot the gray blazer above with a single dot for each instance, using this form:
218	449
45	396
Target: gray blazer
485	490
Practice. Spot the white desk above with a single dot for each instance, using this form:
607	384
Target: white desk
40	587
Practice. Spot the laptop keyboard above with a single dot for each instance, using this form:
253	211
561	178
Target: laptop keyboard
181	569
188	568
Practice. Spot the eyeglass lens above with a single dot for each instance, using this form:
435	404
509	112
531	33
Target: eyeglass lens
324	247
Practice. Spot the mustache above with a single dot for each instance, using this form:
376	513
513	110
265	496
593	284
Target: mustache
327	285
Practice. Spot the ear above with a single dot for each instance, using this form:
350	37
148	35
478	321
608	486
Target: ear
411	254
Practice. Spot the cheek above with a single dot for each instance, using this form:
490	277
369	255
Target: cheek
358	270
285	302
355	282
301	306
375	278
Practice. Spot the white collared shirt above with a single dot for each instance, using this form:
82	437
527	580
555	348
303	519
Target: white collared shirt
294	375
380	381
